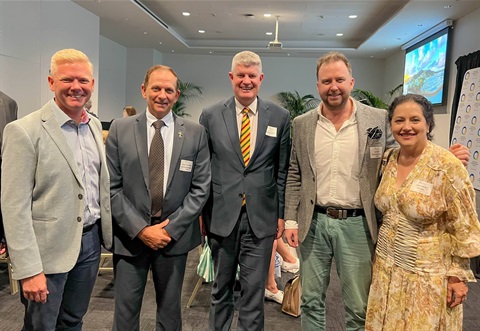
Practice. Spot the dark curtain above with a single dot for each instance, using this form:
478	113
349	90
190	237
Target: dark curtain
464	63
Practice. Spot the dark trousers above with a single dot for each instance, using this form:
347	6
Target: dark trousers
130	280
253	255
69	293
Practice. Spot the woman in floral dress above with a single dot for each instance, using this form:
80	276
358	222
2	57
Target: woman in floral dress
429	230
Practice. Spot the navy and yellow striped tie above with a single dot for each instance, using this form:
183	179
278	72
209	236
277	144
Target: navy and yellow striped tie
245	141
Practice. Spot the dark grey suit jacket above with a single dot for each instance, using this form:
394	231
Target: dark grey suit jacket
185	194
8	113
263	180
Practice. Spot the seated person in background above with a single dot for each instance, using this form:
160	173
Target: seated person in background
288	263
129	111
429	229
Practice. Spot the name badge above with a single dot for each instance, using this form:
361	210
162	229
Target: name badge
271	131
376	152
421	187
186	165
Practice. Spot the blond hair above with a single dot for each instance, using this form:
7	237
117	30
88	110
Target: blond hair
333	57
247	59
71	56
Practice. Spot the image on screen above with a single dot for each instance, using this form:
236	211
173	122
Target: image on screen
425	65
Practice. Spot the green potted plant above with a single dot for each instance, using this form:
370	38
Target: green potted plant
296	104
368	98
188	91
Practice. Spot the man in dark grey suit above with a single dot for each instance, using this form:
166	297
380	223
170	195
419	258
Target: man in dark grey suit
245	210
148	235
8	113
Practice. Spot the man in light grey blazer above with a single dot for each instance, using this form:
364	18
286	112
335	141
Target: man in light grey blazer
55	199
8	113
146	235
336	155
245	210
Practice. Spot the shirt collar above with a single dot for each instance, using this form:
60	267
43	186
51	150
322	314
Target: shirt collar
64	118
239	107
167	119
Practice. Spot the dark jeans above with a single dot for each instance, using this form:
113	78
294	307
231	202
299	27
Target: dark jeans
69	293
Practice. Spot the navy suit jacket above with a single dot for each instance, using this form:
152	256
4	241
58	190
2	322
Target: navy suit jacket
185	194
263	180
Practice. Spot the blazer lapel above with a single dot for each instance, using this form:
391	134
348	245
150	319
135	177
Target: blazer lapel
178	139
263	113
362	123
51	125
310	138
141	144
230	118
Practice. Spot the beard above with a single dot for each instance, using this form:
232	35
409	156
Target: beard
337	104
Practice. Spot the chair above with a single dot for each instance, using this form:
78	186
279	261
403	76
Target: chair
13	282
104	257
198	284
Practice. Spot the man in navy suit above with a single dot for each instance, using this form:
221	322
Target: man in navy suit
149	236
245	210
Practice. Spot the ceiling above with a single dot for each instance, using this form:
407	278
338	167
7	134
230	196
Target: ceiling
306	28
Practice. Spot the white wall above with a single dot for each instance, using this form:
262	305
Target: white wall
112	79
465	39
31	31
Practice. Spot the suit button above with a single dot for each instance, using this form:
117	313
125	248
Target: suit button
80	196
79	219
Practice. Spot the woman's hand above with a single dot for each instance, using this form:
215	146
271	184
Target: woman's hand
456	291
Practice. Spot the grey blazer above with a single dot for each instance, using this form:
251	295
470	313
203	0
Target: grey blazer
300	193
8	113
42	195
263	180
185	194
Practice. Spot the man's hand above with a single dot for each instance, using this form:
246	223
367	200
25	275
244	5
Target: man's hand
291	235
3	248
461	152
155	236
280	228
35	288
203	227
456	291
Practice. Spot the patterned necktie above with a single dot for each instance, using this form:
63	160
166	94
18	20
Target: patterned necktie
155	168
245	142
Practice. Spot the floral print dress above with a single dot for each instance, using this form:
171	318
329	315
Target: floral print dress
429	231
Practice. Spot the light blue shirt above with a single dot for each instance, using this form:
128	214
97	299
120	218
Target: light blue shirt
84	148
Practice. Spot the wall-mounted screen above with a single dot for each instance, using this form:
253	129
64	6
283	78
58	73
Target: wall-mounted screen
426	68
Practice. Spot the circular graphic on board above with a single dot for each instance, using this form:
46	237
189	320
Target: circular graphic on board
477	97
467	75
459	119
472	86
474	120
464	130
462	98
475	155
469	144
468	109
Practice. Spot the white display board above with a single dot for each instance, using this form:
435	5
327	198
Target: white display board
467	124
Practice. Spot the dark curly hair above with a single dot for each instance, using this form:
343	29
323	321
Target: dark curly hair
427	109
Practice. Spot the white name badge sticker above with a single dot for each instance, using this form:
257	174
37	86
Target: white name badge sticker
376	152
271	131
186	165
421	187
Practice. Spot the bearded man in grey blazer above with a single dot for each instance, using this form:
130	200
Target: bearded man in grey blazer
8	113
245	211
336	155
148	235
55	199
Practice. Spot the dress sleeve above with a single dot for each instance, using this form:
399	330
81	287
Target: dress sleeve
463	226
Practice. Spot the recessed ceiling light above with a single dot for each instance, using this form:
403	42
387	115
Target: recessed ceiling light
160	43
339	34
267	15
352	16
201	31
126	19
269	33
448	6
249	16
145	32
186	13
288	54
210	52
419	24
173	51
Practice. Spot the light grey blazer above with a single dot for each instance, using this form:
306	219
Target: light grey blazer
300	192
42	195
